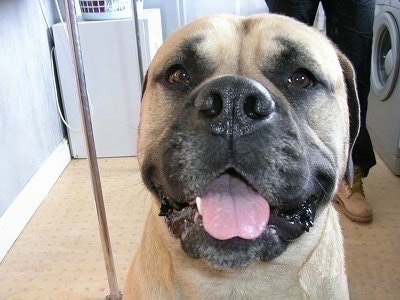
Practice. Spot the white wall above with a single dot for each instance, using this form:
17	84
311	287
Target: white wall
29	124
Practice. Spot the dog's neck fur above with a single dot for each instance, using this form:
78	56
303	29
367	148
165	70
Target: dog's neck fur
292	274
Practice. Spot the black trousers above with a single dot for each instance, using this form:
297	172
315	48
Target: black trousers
349	25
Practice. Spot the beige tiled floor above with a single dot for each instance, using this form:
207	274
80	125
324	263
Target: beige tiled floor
58	255
373	250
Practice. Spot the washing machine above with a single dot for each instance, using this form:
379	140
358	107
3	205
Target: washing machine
383	115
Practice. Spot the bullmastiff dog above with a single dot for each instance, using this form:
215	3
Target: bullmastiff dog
246	128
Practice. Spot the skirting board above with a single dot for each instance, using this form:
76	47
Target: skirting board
18	214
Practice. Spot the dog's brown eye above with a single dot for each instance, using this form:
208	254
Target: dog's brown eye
179	76
301	79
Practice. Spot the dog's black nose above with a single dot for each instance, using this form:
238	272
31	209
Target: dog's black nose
234	103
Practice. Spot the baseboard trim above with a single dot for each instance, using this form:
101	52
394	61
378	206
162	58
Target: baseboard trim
18	214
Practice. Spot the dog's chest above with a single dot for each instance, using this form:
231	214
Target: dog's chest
274	282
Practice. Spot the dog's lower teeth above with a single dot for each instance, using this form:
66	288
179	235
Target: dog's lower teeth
198	203
198	218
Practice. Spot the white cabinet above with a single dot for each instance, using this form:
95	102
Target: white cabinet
151	34
177	13
110	61
192	10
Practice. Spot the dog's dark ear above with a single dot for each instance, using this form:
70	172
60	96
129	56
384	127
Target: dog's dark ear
354	109
144	85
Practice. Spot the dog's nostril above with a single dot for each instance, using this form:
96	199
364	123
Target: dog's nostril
257	108
211	105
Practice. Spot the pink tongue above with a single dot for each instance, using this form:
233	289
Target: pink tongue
231	208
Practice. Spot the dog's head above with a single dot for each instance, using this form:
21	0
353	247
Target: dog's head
245	134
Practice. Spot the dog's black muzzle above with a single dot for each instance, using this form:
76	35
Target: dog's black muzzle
235	127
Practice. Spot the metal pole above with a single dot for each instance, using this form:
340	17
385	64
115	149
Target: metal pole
137	36
91	150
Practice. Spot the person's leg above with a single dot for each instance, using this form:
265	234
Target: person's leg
349	25
302	10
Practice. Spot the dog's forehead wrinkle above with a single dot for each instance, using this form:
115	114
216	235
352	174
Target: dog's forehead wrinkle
189	46
292	52
204	56
191	49
291	45
285	54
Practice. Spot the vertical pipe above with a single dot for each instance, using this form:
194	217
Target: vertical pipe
91	150
137	35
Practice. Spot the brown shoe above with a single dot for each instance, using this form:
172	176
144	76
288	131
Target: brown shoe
352	199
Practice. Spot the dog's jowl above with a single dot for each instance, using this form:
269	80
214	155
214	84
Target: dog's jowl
246	129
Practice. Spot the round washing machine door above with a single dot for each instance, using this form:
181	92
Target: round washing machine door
385	55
